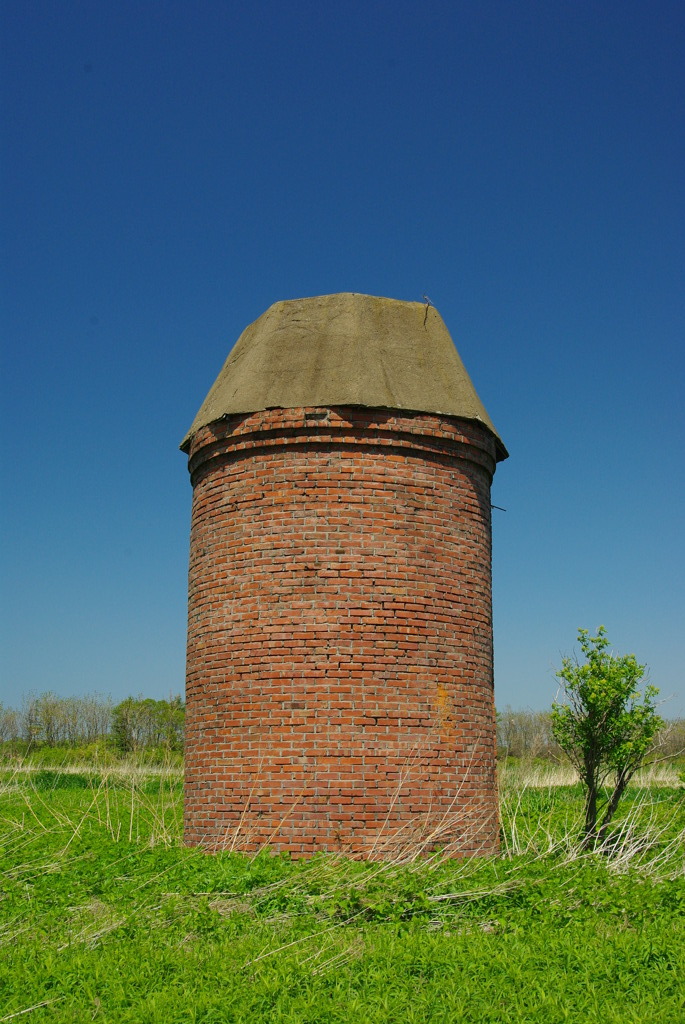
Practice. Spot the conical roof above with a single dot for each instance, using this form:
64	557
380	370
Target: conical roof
345	349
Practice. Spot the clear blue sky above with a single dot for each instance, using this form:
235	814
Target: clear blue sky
171	169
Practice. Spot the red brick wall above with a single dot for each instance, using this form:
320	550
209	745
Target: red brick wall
339	685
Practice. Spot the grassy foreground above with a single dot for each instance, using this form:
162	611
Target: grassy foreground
105	917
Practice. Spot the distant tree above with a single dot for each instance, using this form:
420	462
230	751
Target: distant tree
604	725
95	717
174	719
127	725
10	726
30	721
47	720
525	734
140	723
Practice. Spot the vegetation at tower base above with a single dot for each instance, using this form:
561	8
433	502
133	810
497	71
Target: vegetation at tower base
604	725
107	917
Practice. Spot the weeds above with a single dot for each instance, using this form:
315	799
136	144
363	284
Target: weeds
106	917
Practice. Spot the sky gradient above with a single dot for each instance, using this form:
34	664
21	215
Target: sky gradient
171	169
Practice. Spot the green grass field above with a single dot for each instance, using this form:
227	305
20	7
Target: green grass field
106	917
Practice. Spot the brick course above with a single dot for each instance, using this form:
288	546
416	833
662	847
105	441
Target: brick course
339	678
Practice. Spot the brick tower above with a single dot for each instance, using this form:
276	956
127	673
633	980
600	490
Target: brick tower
339	674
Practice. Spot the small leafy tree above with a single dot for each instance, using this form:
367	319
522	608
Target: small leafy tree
604	725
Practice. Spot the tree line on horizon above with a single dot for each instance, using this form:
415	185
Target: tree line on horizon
139	724
133	725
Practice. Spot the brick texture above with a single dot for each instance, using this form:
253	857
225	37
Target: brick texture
339	675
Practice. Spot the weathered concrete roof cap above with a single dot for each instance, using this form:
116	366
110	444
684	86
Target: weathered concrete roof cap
345	349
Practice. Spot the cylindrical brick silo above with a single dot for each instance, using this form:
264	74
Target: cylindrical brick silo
340	676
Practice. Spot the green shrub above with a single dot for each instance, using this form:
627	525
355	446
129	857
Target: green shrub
604	724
